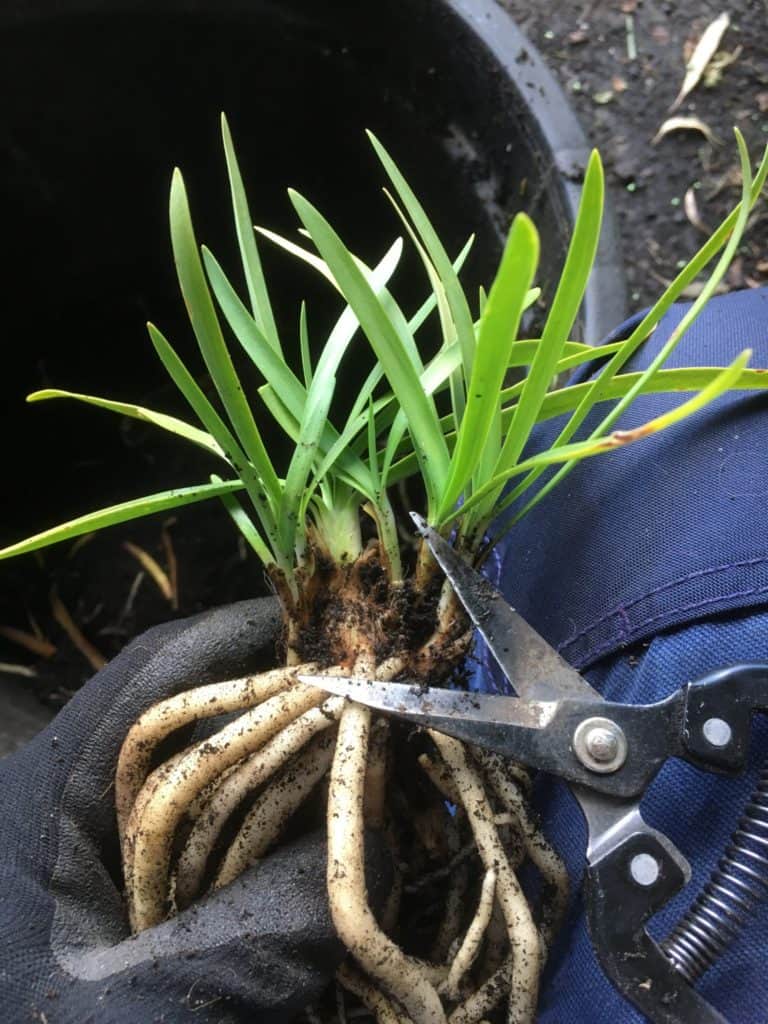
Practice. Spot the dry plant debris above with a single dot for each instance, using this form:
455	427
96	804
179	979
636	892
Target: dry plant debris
703	52
685	124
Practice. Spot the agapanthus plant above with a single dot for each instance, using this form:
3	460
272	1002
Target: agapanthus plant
360	594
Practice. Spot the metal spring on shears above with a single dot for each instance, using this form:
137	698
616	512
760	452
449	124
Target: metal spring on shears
735	888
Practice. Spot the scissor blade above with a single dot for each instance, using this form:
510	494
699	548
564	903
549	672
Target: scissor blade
536	733
511	727
435	707
533	667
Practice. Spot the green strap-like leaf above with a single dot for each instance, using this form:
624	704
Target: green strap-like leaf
300	252
268	361
121	513
579	450
565	306
433	378
291	426
244	523
564	400
198	401
457	300
456	381
210	339
310	429
218	429
318	403
138	412
306	358
249	252
280	412
498	330
279	376
430	302
689	378
387	344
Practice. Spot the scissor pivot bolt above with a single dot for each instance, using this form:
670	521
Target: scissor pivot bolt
717	732
600	745
644	869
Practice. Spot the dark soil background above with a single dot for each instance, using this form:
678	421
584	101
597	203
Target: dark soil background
622	65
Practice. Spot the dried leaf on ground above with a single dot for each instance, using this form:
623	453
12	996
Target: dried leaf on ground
62	616
171	561
691	208
148	563
703	53
11	669
40	646
629	28
686	124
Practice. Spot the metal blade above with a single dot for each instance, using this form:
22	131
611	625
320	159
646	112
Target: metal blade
511	727
537	733
533	667
437	708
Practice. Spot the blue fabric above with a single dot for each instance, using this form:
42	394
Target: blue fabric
648	568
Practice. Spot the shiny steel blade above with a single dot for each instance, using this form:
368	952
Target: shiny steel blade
534	668
436	708
510	726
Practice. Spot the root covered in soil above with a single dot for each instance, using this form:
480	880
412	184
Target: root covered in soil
458	936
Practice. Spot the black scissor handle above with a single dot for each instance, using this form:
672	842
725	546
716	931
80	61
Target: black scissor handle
623	891
717	716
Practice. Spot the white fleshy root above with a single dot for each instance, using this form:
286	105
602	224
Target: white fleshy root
168	715
440	777
235	785
371	998
273	808
470	947
523	935
541	853
279	750
490	994
399	975
149	836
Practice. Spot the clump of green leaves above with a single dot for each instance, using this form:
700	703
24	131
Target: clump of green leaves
434	403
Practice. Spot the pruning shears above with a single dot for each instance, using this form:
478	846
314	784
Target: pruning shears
608	753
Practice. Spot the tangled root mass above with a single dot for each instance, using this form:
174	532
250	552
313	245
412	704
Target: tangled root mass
458	938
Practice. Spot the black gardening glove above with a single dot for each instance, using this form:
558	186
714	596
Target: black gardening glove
259	950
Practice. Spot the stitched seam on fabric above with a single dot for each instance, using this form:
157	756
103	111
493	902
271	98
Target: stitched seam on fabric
621	610
694	606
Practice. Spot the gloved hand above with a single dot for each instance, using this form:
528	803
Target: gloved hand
260	949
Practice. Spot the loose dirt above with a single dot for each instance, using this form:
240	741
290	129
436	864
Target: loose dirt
622	65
